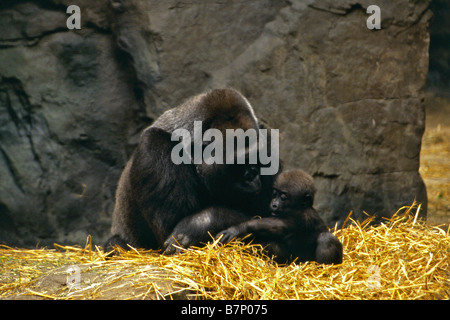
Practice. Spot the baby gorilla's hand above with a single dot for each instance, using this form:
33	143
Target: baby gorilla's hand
229	234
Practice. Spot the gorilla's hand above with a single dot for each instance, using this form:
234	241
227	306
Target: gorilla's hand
175	242
229	234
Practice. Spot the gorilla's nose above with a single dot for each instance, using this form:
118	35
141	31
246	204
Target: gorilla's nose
274	205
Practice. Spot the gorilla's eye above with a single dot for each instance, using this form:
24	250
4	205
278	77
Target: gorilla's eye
250	173
283	197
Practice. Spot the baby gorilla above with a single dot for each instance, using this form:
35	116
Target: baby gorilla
295	229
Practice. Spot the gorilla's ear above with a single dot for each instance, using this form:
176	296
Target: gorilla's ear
155	146
157	136
308	200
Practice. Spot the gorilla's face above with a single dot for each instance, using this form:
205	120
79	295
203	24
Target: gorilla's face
278	202
293	190
247	179
230	181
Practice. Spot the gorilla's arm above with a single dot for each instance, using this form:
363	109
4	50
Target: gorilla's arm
266	228
202	227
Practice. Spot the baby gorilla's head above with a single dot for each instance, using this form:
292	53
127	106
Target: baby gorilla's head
293	190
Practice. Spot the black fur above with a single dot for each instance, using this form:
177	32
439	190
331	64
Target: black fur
295	231
216	218
150	198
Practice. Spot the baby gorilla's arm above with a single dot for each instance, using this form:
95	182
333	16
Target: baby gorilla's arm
267	228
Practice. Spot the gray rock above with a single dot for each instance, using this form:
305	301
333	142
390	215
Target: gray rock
348	101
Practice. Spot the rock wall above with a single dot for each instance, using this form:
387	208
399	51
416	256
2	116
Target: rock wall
348	100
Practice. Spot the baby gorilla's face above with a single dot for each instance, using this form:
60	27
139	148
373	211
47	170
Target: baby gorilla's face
294	190
279	202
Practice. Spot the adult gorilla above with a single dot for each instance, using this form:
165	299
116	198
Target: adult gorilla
154	194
